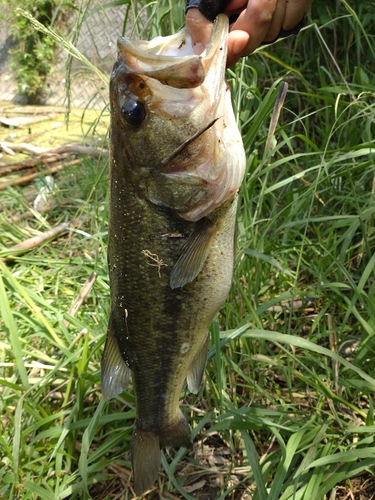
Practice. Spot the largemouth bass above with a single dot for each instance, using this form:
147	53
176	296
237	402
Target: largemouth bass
177	162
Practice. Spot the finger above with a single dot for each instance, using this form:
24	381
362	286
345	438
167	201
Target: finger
237	43
296	10
235	7
200	30
255	21
277	21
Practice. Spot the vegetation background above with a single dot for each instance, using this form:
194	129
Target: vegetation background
286	410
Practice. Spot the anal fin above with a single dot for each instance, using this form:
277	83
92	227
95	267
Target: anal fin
196	370
115	372
193	254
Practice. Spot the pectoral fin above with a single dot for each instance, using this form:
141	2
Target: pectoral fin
196	370
193	254
115	372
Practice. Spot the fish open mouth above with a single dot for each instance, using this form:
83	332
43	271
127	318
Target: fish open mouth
171	60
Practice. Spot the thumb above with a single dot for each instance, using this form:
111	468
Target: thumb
200	30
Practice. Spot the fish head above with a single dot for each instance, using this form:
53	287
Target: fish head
173	131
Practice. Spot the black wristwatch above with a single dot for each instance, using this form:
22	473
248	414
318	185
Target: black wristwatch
209	8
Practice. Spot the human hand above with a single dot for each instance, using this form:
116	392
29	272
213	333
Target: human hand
258	21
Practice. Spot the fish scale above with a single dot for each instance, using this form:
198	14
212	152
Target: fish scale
174	178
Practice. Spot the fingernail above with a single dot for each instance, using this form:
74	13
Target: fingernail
240	41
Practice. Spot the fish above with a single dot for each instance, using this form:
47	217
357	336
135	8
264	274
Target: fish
176	165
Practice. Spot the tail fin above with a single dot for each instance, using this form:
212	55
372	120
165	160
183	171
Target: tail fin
177	434
146	456
146	459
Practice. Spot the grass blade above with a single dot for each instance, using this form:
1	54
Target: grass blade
11	326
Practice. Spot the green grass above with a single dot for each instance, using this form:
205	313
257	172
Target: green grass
286	410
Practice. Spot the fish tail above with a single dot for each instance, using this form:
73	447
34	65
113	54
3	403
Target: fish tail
176	434
146	455
146	459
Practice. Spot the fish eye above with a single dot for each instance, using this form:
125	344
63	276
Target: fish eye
133	111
